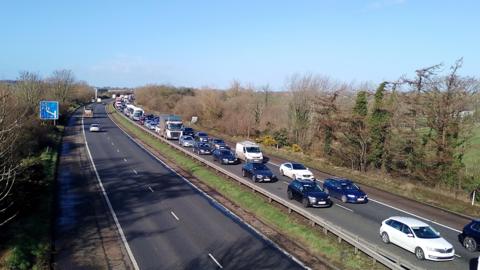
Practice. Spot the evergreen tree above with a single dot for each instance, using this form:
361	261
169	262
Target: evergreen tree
379	122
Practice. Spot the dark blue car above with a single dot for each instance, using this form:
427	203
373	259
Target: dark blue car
258	172
470	236
309	193
202	148
224	156
344	190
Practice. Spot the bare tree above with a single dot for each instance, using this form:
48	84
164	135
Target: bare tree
62	82
30	90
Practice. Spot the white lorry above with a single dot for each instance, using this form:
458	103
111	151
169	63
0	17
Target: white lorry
248	151
170	126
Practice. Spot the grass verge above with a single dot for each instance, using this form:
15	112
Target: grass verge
452	200
326	246
26	242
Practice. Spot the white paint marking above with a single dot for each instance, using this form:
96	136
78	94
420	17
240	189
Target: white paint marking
118	150
113	143
274	164
124	159
117	223
175	216
417	216
341	206
286	183
150	188
213	258
458	256
134	171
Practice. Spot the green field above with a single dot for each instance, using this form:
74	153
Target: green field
472	154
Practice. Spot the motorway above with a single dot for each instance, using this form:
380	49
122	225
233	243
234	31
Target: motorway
167	223
364	220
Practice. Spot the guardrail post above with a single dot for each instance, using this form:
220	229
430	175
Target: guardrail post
289	210
325	230
312	223
339	240
269	200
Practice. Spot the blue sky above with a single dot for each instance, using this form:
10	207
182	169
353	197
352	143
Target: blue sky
210	43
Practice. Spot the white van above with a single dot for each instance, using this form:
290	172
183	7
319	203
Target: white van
248	151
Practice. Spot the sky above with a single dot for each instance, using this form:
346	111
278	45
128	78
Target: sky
212	43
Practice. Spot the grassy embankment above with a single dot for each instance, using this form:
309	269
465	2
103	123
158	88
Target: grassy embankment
444	198
341	255
25	243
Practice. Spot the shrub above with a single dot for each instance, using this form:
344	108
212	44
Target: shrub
296	148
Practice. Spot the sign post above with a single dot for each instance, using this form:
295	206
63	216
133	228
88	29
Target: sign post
49	110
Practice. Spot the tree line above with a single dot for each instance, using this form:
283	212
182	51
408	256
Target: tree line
412	127
23	136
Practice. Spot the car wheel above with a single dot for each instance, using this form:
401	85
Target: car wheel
419	253
244	173
254	179
289	195
344	198
385	238
470	244
305	202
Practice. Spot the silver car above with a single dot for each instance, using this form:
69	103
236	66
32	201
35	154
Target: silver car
186	141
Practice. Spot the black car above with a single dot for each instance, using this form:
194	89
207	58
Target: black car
470	236
258	172
224	156
309	193
202	148
188	131
217	143
201	137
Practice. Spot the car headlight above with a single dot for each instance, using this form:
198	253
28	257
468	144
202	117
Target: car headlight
328	197
312	199
430	249
225	159
351	196
259	176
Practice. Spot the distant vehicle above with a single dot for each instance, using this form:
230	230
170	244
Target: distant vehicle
186	141
202	148
170	126
201	137
309	193
258	172
114	96
217	143
99	100
188	131
417	237
296	171
94	128
137	113
248	151
345	190
88	112
470	236
224	156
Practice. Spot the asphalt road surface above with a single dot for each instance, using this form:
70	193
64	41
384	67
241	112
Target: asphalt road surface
167	223
365	220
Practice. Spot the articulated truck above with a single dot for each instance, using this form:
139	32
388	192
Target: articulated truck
170	126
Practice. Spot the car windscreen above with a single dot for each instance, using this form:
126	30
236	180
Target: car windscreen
312	187
259	166
297	166
187	138
218	141
94	125
203	145
252	149
202	134
188	129
425	232
350	186
225	152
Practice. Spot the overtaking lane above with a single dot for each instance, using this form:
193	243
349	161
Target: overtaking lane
156	237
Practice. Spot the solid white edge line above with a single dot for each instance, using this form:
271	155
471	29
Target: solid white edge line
458	256
266	239
134	171
117	223
213	258
417	216
175	216
150	188
124	159
341	206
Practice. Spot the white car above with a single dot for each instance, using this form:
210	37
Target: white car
296	171
418	237
94	128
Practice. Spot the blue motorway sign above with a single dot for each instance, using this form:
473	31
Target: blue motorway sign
49	110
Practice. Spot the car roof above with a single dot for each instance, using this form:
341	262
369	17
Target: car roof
340	180
412	222
305	181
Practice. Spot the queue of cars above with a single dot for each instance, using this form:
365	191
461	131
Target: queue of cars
408	233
